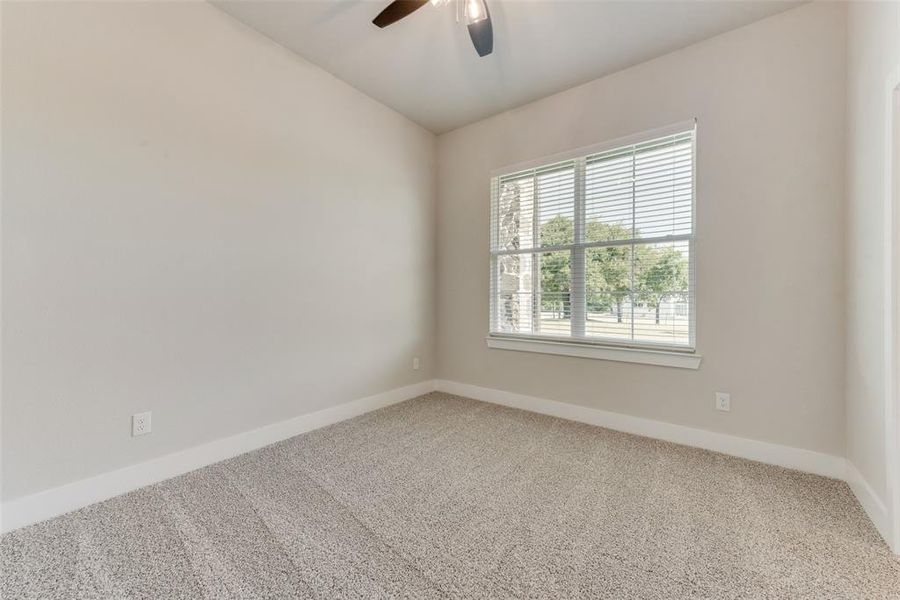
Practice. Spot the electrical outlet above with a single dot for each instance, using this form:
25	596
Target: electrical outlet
140	423
723	401
416	363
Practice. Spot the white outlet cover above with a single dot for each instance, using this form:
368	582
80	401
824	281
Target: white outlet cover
723	401
140	423
416	363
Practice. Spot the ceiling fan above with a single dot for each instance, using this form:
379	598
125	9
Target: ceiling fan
474	12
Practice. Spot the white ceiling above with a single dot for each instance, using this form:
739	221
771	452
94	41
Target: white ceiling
426	68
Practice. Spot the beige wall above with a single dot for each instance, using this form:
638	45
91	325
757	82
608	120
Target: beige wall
770	99
873	54
198	223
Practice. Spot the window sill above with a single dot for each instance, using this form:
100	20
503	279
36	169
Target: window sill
662	358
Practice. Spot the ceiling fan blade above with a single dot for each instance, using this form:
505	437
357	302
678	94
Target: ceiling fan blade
482	33
396	10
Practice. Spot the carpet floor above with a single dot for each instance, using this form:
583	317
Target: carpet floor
445	497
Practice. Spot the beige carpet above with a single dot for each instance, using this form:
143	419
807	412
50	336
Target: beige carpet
444	497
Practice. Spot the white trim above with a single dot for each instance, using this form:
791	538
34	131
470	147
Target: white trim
891	323
869	500
50	503
646	356
692	244
808	461
627	140
684	237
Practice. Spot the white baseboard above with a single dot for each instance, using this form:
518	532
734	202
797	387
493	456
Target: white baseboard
808	461
53	502
871	503
50	503
774	454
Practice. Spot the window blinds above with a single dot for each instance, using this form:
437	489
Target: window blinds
598	248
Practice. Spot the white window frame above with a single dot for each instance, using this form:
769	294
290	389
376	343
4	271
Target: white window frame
671	355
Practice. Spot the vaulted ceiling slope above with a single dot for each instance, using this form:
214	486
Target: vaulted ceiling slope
425	67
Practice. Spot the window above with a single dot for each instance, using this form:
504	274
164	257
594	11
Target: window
597	248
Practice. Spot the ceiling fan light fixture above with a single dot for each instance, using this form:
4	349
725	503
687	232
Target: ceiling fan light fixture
475	11
477	17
